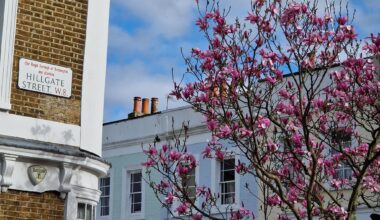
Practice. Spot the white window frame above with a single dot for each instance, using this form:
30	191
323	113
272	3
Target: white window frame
342	167
99	210
126	205
86	203
197	202
7	41
215	183
132	193
221	182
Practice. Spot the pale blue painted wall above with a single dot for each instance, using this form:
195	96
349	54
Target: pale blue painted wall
152	208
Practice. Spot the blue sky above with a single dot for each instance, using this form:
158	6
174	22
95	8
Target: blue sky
145	38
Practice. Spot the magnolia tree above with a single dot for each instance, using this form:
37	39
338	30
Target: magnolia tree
294	89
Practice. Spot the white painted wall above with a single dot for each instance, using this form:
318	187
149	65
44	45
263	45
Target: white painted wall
94	70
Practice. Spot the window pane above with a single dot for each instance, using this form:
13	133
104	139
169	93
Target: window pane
136	187
105	196
228	175
136	177
81	210
227	181
228	198
106	191
104	211
135	195
136	198
89	212
228	164
136	207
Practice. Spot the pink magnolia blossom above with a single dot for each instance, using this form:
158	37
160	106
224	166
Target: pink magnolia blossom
169	198
336	183
211	124
164	147
149	163
245	132
206	152
371	183
252	18
196	217
263	123
240	168
151	151
182	170
272	147
174	155
342	20
182	208
274	200
219	154
225	131
339	211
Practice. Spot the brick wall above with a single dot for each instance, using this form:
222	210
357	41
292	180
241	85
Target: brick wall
50	31
18	205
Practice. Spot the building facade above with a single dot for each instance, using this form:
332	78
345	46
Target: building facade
52	76
123	143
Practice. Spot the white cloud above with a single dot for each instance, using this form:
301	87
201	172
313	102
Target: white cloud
127	81
367	15
166	18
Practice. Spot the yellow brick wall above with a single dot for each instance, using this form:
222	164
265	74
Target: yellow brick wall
18	205
50	31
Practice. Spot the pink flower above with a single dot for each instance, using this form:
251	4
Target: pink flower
271	80
149	163
165	147
272	147
252	18
211	124
263	123
225	131
293	194
163	184
342	20
296	138
219	154
202	23
182	209
206	152
196	217
245	132
371	183
169	198
152	151
182	170
240	168
274	200
174	155
339	211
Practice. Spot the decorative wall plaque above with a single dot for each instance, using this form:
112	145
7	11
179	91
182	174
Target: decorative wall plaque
44	78
37	174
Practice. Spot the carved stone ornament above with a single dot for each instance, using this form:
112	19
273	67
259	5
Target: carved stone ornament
37	174
7	167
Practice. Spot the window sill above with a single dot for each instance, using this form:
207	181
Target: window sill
137	216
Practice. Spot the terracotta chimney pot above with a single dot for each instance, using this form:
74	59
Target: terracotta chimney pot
145	106
154	106
136	104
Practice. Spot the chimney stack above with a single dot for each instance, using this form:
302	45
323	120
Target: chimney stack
145	107
154	106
